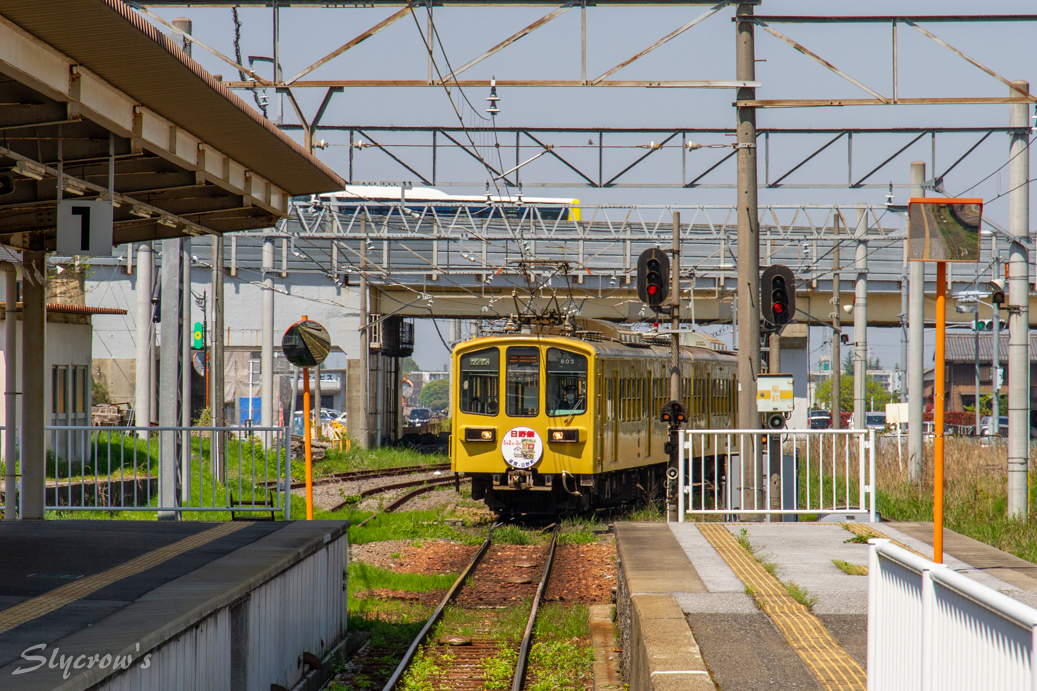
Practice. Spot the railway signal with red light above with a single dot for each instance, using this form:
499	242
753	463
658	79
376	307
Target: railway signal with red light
778	295
653	277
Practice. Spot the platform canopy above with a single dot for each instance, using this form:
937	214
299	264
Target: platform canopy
91	86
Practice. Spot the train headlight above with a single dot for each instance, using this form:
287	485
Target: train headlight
568	435
487	434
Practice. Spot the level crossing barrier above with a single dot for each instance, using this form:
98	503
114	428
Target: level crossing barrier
784	473
118	469
930	628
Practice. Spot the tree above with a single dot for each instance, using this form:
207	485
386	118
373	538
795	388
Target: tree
873	364
435	394
407	365
873	390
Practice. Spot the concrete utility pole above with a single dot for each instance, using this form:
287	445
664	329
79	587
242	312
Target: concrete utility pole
915	346
903	330
975	329
267	362
217	364
995	364
34	322
184	369
145	339
837	329
748	238
748	253
170	380
365	347
1019	312
11	392
675	315
860	322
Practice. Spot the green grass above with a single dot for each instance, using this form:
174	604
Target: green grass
795	591
559	659
975	495
850	569
359	459
514	535
248	466
800	594
403	525
562	621
580	530
421	669
500	668
367	577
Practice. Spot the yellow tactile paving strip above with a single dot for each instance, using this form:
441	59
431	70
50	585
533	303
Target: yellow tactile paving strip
832	666
69	593
865	530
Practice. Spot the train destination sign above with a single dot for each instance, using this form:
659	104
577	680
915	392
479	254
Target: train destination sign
944	230
306	343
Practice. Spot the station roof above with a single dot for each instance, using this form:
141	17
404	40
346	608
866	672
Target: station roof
80	76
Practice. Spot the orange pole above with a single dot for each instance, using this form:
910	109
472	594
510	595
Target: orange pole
939	373
306	441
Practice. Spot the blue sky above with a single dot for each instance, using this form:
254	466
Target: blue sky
704	52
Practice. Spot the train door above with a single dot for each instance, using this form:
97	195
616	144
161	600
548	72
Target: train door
614	402
600	416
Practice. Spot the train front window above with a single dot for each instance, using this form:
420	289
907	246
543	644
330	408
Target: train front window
523	381
480	382
566	382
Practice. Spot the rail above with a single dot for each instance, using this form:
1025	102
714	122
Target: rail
519	678
930	627
123	469
776	472
408	657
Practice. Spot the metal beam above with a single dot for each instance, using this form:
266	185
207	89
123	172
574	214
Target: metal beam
351	44
36	65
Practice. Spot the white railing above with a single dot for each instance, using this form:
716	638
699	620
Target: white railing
118	469
787	472
931	628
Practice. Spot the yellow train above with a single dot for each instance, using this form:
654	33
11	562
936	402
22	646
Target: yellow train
568	418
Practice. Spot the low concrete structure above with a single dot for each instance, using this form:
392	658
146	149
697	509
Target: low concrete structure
213	606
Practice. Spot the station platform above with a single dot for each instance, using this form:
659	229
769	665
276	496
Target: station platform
697	611
168	605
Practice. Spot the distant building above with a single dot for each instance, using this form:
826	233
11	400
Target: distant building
960	358
418	381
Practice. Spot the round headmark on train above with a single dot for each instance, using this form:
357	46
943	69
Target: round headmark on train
306	343
522	448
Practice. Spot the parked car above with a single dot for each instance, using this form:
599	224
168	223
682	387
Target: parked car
875	421
986	426
820	419
419	416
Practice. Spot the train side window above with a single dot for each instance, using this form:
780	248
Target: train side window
566	382
523	381
480	382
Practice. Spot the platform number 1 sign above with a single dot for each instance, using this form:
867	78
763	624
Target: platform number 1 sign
84	228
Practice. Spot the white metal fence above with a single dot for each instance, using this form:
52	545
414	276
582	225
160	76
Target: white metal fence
931	628
119	469
787	472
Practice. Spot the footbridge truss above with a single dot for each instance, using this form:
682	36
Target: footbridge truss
486	261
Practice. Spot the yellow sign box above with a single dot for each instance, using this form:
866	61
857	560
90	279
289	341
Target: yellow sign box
774	393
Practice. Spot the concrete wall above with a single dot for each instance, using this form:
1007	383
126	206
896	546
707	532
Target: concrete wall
119	376
115	336
68	343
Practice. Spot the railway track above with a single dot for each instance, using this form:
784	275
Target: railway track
490	593
368	474
422	487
